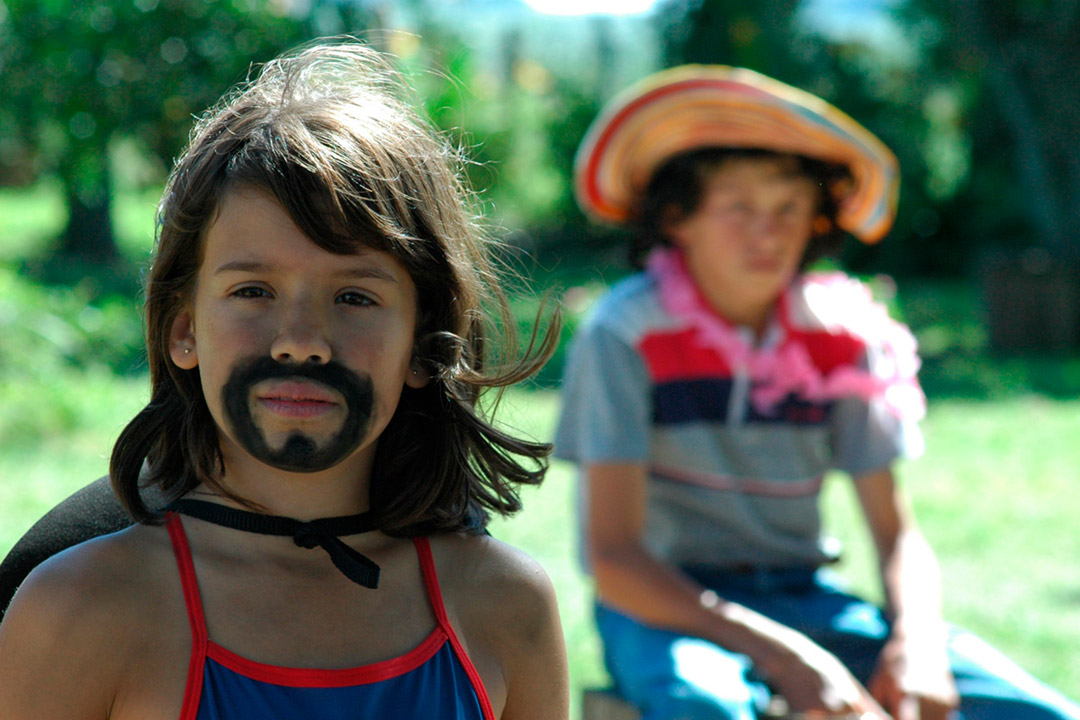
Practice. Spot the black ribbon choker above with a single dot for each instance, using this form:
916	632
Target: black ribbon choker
323	532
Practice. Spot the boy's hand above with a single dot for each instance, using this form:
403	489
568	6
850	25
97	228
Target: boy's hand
813	680
913	681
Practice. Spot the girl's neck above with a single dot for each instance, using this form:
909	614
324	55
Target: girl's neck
340	490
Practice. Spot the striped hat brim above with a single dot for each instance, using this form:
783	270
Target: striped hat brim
697	106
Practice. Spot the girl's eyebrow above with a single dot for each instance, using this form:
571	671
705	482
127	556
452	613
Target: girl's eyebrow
366	272
241	266
359	272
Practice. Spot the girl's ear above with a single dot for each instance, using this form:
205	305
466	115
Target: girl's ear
417	377
182	342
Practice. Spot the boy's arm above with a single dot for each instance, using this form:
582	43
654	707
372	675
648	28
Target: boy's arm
629	579
912	680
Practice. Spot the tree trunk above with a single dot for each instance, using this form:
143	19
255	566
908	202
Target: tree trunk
88	237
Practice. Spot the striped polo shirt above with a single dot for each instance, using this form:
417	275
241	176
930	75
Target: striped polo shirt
730	483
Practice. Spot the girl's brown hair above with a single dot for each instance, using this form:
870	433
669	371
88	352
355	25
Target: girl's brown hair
330	133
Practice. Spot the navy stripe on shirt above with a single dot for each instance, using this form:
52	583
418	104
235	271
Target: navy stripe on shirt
707	400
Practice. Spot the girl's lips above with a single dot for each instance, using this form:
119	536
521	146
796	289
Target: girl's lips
296	408
297	399
296	390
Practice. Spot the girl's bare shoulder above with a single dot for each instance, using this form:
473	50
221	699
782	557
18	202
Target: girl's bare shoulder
107	573
501	597
100	590
494	578
78	623
505	607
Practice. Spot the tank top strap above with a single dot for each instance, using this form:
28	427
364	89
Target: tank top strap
431	581
182	551
196	618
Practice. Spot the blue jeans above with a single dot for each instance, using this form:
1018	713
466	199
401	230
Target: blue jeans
673	677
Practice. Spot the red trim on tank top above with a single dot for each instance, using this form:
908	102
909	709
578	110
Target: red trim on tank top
203	647
431	579
330	677
182	551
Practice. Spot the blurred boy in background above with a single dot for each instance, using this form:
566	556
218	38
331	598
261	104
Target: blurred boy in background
708	395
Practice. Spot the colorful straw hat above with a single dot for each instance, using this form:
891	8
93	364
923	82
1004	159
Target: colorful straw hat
697	106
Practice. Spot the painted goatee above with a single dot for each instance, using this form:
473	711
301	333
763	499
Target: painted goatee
300	452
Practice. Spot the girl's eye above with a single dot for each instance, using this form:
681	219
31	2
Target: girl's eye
355	298
251	292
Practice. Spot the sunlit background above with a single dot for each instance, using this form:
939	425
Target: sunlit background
978	98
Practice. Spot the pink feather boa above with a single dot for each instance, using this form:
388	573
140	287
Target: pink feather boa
786	367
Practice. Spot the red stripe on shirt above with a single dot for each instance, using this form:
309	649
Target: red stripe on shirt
829	350
679	356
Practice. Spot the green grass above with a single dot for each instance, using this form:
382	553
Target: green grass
994	494
66	427
30	219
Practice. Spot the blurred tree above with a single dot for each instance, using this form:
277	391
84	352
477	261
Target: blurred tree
1005	69
518	121
77	76
1022	58
760	35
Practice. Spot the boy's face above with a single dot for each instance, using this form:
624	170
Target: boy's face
745	242
302	354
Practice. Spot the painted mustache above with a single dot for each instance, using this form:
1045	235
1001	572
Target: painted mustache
300	452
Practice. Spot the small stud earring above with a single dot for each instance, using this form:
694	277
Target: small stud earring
187	350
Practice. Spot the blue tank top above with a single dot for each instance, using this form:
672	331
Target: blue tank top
435	681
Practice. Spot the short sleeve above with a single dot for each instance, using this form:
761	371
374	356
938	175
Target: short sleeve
870	435
606	401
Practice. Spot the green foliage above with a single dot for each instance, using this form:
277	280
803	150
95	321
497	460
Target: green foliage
1014	64
519	124
760	35
79	73
78	77
59	355
988	107
29	218
47	330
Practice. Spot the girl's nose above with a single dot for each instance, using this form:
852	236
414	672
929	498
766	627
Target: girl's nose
301	339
